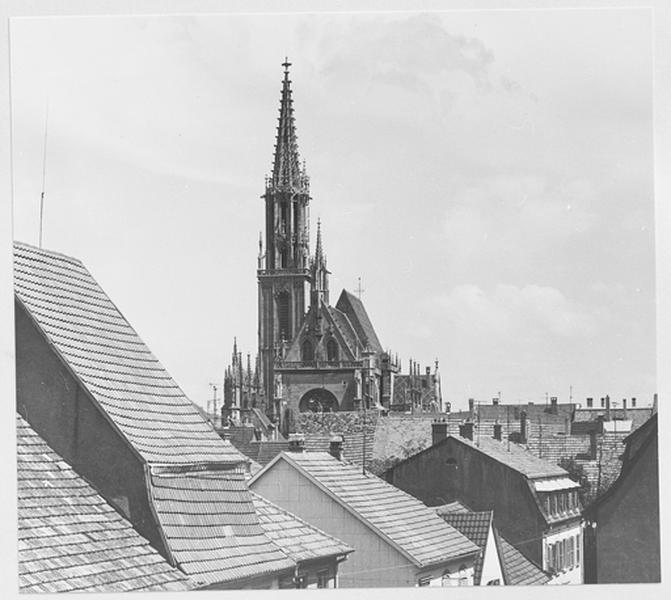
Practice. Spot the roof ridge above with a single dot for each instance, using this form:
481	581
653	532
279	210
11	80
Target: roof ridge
53	253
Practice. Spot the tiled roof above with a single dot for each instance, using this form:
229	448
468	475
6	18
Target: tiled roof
346	329
638	415
475	526
409	525
111	361
517	569
514	456
356	313
70	539
298	539
211	526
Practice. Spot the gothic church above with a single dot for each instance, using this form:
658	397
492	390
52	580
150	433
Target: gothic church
312	356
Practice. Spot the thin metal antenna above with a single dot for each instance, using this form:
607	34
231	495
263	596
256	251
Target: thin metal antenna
44	170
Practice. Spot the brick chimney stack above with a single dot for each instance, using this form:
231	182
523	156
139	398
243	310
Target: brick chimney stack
296	442
438	431
471	407
523	427
497	431
466	430
607	408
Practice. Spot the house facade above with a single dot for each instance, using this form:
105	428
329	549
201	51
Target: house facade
623	526
398	541
535	503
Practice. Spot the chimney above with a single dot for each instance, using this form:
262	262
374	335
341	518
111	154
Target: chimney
523	427
603	402
607	407
654	403
592	445
624	408
448	407
590	402
296	442
633	402
335	447
471	407
553	405
497	431
466	430
438	431
495	401
599	423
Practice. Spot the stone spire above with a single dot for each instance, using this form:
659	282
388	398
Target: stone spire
319	272
287	172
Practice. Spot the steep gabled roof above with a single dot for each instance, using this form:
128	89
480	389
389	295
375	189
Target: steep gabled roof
108	358
400	519
298	539
356	313
211	527
70	538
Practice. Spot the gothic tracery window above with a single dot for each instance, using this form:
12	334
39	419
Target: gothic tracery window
332	350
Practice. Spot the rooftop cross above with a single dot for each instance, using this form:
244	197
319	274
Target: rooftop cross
359	289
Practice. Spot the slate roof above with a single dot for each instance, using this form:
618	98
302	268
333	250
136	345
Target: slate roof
298	539
514	456
407	524
70	538
475	526
110	360
211	527
358	317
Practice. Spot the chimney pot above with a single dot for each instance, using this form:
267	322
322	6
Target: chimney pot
471	406
590	401
633	402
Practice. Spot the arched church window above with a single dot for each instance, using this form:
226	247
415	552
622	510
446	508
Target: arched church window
283	315
308	351
332	350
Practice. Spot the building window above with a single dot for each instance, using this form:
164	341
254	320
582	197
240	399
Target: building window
332	350
308	352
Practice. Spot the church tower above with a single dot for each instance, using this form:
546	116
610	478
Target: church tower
283	269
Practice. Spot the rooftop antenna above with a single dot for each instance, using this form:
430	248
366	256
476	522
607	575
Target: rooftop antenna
44	170
214	400
359	289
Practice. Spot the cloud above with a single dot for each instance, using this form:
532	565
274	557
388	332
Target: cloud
512	314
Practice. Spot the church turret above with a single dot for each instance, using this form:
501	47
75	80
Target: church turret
319	273
283	272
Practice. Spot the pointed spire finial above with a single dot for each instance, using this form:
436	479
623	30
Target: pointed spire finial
287	171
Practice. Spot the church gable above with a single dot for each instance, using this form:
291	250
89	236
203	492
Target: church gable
357	315
330	331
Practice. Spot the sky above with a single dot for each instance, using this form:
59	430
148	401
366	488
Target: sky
488	175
